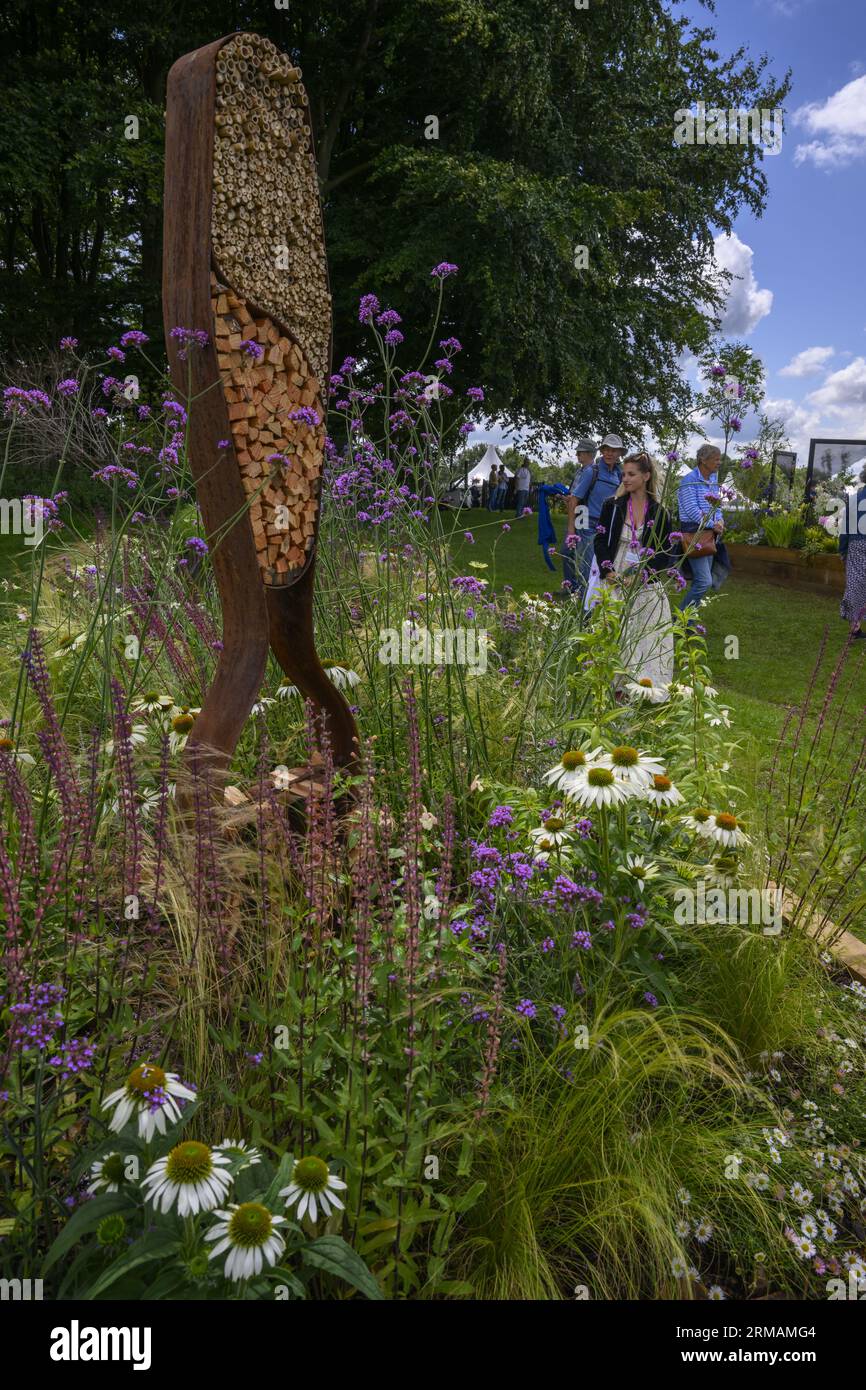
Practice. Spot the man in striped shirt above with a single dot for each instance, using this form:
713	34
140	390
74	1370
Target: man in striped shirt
698	500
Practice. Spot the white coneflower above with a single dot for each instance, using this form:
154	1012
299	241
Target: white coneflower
645	689
725	829
138	734
261	706
639	869
285	690
600	788
698	821
7	746
182	722
107	1174
662	792
247	1233
341	674
191	1176
313	1185
152	703
632	766
677	688
151	1095
570	771
239	1148
550	835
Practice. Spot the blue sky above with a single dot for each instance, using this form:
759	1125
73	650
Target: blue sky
799	301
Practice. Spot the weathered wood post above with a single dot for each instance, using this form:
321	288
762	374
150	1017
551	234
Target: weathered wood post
244	261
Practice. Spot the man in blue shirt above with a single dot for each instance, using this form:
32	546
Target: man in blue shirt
698	499
590	490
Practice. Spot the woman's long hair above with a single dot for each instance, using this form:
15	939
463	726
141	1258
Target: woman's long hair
646	464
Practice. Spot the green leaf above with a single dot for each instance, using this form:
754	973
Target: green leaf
156	1245
332	1255
84	1220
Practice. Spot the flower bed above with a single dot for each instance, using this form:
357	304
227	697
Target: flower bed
789	567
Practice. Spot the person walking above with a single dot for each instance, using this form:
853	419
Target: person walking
522	484
852	548
698	502
631	546
597	481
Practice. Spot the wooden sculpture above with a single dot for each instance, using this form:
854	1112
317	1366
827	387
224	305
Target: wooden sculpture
244	260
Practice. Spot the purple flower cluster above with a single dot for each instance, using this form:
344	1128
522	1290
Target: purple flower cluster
133	338
74	1057
36	1019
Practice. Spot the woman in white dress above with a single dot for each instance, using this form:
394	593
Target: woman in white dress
632	545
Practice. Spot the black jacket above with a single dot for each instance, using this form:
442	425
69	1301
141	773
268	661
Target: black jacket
655	534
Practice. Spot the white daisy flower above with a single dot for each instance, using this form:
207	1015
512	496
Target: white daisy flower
759	1181
151	1095
341	674
645	689
107	1174
684	1196
247	1233
828	1230
818	1158
698	821
854	1264
632	766
679	1268
809	1227
313	1185
801	1195
191	1176
715	1293
683	1229
570	771
239	1148
703	1232
725	829
774	1155
662	792
803	1246
600	788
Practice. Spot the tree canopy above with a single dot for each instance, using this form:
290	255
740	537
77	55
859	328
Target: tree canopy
554	131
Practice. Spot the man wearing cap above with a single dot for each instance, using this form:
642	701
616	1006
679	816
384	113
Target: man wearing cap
596	481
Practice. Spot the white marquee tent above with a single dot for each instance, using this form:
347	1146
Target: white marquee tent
490	460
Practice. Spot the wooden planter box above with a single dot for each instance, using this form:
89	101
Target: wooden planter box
825	573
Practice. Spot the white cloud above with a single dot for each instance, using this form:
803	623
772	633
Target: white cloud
840	125
843	389
808	362
746	304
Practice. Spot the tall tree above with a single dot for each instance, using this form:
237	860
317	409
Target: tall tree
532	144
